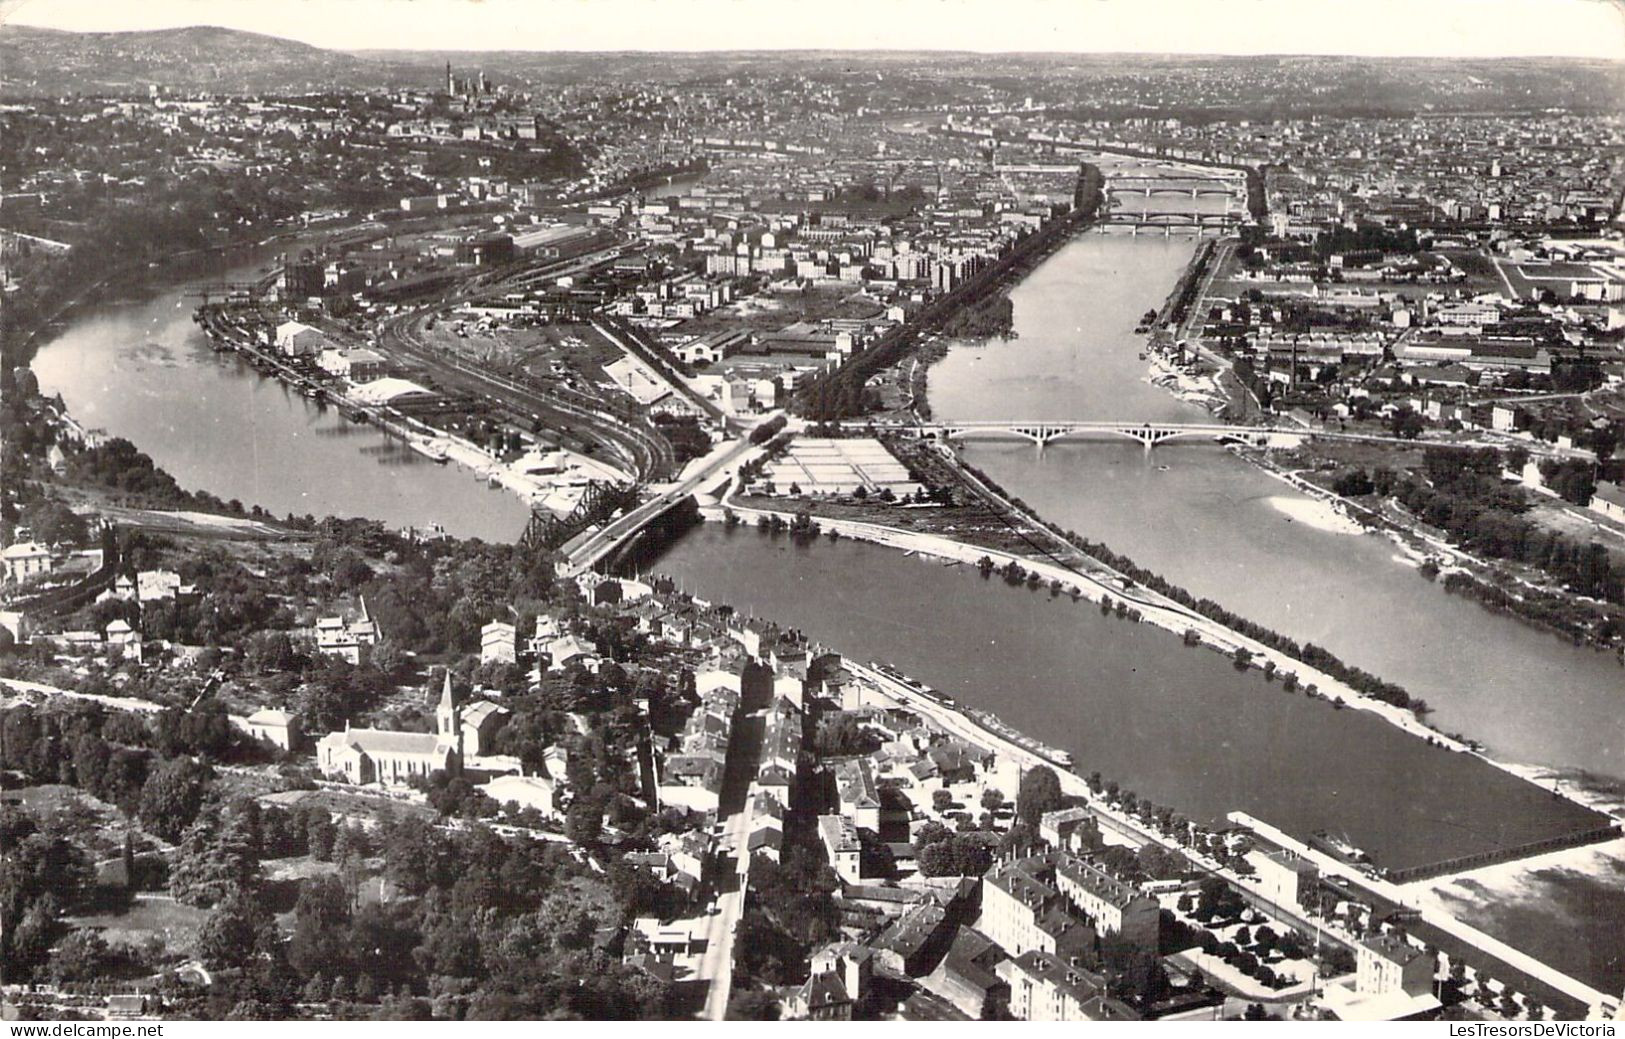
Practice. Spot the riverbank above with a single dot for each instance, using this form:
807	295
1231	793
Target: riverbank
559	495
1491	584
1471	576
1106	586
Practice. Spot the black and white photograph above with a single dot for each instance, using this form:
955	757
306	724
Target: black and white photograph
865	511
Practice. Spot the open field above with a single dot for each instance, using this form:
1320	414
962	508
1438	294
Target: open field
150	916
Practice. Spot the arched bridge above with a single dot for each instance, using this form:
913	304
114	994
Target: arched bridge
1181	190
1148	433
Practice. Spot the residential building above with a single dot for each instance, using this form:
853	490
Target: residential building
837	985
497	643
841	844
1284	878
968	975
859	797
526	791
1044	987
156	585
1016	897
1388	964
26	559
1609	500
1114	906
339	637
914	943
277	727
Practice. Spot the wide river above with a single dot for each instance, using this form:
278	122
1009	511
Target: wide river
140	368
1177	725
1215	524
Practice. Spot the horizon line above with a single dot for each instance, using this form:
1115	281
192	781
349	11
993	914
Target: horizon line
769	49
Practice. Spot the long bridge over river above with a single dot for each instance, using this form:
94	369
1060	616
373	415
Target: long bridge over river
1148	433
600	545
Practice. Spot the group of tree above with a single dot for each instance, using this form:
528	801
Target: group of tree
474	924
940	852
1460	491
789	912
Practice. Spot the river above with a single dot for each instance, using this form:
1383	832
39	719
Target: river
1214	524
140	368
1177	725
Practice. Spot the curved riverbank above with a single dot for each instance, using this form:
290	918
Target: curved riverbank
1178	726
1158	611
143	370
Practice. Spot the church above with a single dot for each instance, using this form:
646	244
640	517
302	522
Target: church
392	758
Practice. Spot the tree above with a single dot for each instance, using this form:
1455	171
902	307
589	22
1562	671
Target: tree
753	1005
81	956
1406	423
992	799
213	862
172	796
321	920
941	800
842	734
1353	483
1040	792
962	855
270	651
585	823
233	932
53	523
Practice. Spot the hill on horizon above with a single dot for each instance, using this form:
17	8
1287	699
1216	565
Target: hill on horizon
37	62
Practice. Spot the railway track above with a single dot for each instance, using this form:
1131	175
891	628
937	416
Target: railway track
627	436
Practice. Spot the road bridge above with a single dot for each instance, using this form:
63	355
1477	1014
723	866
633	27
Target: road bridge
1148	433
1169	221
1151	434
1150	190
1157	178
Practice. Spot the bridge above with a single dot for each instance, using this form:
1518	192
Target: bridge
600	545
1197	191
1148	433
1169	221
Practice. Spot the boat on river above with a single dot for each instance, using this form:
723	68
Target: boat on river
996	725
1339	847
432	451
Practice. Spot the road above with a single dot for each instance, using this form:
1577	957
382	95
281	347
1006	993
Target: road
732	872
1431	915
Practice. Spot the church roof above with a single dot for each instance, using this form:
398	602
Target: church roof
376	742
479	710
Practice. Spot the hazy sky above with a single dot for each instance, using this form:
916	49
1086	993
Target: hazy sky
1592	28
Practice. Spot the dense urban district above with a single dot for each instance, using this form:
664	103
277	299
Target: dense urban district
263	765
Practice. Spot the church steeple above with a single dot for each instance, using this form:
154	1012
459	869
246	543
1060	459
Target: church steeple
448	718
446	714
